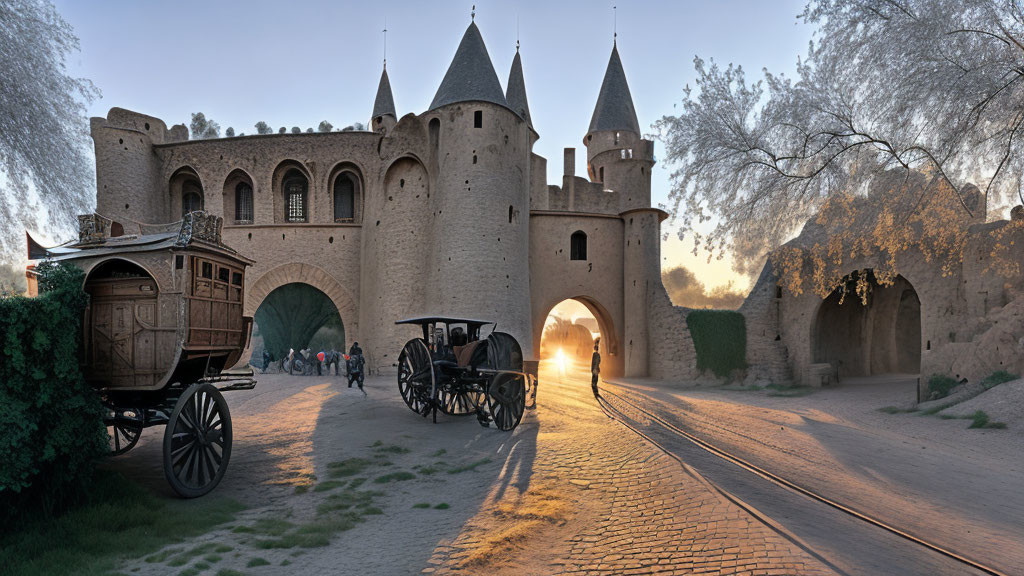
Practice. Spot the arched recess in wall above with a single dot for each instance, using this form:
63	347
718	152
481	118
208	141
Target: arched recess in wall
406	177
345	183
881	336
610	346
308	274
186	193
239	198
293	194
296	316
578	245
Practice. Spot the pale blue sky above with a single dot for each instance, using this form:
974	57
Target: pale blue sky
299	62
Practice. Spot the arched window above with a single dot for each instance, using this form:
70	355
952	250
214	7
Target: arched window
344	197
295	187
600	174
243	202
578	245
191	197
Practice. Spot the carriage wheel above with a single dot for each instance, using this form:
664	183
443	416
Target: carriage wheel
124	428
197	441
416	380
506	399
458	400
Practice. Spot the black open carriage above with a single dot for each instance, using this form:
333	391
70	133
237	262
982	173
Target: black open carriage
451	370
164	323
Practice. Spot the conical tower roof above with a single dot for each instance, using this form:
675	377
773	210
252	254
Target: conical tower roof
614	110
515	94
471	76
384	103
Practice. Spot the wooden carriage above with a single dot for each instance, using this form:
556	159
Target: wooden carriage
164	321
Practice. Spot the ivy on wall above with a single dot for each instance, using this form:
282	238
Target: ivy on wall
720	339
51	426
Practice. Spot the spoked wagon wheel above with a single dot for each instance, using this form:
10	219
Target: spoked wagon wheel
416	380
124	427
197	441
459	400
506	400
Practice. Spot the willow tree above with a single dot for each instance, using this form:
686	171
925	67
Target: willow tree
44	131
930	89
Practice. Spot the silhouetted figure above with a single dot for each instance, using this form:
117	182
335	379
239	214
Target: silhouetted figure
333	357
595	369
354	365
267	359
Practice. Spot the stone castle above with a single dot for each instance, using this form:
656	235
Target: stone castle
446	212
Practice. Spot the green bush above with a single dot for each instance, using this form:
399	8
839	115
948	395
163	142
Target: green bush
51	427
998	377
939	386
720	339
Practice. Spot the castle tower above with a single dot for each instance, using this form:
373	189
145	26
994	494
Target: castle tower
384	117
617	154
479	154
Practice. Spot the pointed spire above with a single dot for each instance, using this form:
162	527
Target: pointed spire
516	92
471	76
614	110
384	104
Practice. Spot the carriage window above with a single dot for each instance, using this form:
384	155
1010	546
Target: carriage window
295	187
243	202
207	270
578	246
191	197
236	278
223	274
344	197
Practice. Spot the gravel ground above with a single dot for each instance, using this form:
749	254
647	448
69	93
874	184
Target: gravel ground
1003	403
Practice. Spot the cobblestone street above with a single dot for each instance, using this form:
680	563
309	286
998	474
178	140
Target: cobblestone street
628	508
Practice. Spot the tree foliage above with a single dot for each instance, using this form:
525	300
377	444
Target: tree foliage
282	130
230	132
324	126
933	88
685	289
573	339
296	130
202	128
44	130
263	128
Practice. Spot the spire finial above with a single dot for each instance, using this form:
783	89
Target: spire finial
517	32
472	14
615	24
385	31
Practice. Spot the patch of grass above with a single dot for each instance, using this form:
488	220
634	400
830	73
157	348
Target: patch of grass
223	549
120	520
421	505
229	572
212	558
266	527
470	466
349	467
329	485
356	483
371	511
433	468
896	410
257	562
399	476
981	420
201	566
377	443
189	572
347	500
302	488
940	385
442	506
439	453
285	562
162	555
935	409
526	514
392	449
998	377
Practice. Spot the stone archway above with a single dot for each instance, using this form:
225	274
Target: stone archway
610	345
881	336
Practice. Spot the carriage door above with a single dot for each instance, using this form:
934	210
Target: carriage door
122	350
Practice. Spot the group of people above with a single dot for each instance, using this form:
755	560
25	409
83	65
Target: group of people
306	363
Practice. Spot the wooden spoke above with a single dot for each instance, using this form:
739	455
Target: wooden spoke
506	400
197	442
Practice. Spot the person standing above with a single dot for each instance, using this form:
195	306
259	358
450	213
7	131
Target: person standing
291	361
595	369
320	357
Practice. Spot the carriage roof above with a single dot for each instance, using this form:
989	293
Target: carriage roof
424	320
97	237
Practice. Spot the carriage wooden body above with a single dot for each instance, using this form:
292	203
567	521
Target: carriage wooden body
452	370
164	321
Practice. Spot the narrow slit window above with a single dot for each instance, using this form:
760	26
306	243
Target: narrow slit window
478	119
578	245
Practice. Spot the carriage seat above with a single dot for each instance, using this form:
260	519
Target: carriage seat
464	354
